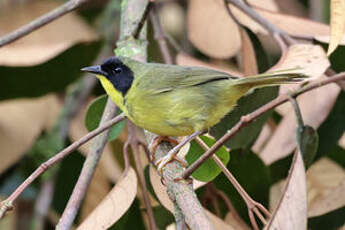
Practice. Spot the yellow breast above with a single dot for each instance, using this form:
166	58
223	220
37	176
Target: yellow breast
115	95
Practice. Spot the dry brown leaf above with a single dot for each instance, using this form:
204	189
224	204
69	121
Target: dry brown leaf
21	122
45	43
248	57
294	26
111	167
337	24
315	107
211	29
291	212
309	59
186	60
326	187
98	189
114	205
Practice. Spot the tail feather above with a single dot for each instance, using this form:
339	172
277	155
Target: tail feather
272	78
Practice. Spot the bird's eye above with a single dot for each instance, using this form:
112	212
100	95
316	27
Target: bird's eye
118	70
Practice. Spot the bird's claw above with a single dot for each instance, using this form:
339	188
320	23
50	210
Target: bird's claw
162	162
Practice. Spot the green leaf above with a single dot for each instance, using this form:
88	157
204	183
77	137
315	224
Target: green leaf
94	115
163	217
51	76
209	169
252	174
307	140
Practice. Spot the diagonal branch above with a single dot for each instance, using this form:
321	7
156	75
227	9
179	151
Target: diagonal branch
8	203
41	21
245	120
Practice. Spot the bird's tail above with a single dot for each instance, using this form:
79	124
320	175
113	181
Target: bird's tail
272	78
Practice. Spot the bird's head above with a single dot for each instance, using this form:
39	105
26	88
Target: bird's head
115	72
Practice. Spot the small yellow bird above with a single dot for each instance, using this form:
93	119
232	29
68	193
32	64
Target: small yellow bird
172	100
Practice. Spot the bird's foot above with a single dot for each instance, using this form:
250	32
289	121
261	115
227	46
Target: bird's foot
157	141
171	156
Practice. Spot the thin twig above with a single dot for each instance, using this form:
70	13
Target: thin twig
41	21
250	203
245	120
159	36
42	204
142	21
262	21
58	157
297	111
134	143
88	169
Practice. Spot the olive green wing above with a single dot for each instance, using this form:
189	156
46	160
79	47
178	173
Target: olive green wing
160	78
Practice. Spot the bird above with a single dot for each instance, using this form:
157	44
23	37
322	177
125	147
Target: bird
173	100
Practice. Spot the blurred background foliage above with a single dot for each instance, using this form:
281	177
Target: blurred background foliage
47	103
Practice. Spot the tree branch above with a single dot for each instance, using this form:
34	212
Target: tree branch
89	167
41	21
8	203
160	36
245	120
134	143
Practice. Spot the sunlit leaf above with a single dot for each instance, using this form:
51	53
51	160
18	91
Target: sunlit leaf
45	43
291	212
21	122
337	24
97	190
209	169
219	37
94	115
114	205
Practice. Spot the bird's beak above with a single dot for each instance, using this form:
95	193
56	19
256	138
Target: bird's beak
96	69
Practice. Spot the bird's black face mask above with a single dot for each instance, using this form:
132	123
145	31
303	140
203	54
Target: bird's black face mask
116	72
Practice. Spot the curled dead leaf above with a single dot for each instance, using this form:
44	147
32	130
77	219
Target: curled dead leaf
45	43
294	26
337	24
291	212
114	205
248	57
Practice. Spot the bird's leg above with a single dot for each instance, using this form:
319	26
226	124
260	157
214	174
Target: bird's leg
173	152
